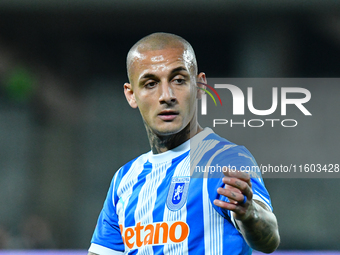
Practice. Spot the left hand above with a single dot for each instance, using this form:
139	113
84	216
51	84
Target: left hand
237	187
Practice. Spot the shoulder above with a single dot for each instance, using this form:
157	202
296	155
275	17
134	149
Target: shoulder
215	152
220	145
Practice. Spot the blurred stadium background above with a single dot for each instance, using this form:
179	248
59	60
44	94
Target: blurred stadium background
65	126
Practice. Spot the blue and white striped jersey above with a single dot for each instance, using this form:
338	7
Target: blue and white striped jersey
163	204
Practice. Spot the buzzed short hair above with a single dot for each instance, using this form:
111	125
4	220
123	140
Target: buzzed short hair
159	41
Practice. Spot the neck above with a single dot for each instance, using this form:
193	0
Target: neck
161	144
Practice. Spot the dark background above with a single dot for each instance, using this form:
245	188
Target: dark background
65	126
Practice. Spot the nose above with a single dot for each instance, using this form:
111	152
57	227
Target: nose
167	94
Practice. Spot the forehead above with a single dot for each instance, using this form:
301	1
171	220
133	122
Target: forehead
152	57
160	60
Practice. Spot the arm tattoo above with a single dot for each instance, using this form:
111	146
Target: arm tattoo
261	231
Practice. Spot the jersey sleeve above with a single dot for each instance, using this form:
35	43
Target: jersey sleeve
107	239
237	158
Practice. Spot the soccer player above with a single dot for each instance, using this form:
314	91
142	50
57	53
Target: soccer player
155	205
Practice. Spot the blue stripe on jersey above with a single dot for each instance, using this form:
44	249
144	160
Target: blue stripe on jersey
133	201
133	252
195	217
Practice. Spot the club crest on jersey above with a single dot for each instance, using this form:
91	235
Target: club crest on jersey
177	195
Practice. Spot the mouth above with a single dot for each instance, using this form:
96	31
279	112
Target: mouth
168	115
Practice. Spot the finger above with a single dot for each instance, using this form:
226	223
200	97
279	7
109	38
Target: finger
240	211
233	189
232	196
225	205
236	174
242	186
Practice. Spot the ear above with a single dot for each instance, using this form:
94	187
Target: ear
130	96
201	79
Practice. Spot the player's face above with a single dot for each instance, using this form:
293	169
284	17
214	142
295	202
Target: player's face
163	87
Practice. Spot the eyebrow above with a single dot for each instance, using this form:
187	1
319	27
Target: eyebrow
176	70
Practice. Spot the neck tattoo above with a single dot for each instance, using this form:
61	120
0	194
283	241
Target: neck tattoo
161	144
